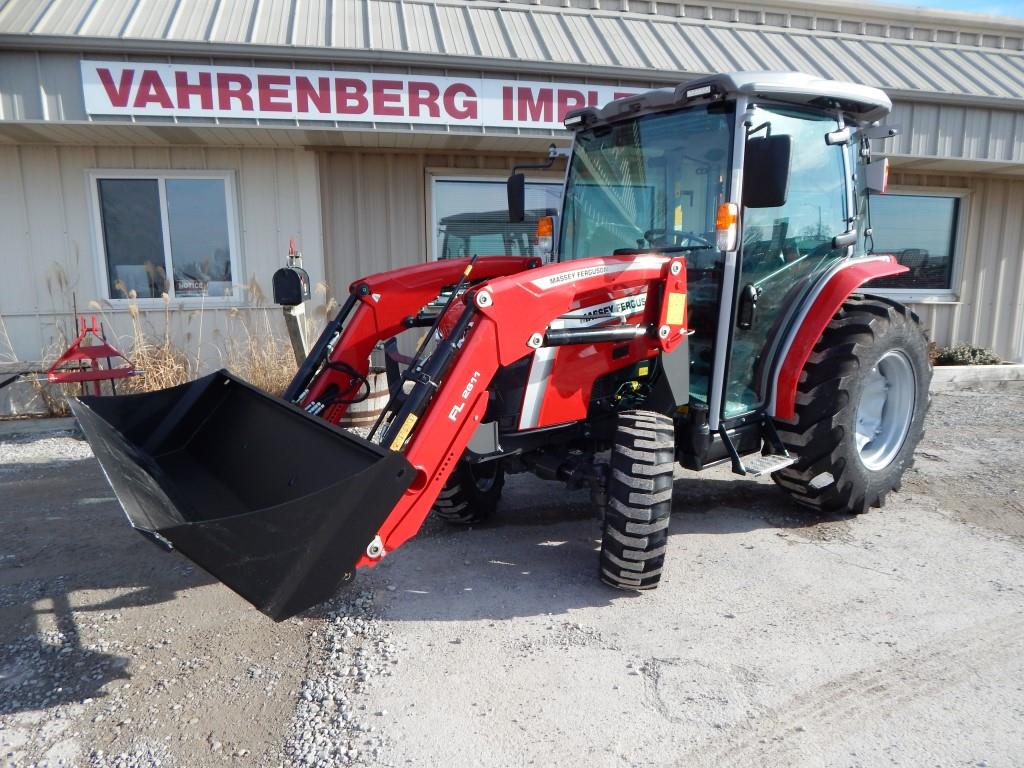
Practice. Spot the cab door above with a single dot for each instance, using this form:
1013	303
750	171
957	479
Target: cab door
783	248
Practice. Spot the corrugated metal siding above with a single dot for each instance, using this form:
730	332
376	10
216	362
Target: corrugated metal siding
48	256
954	131
901	55
149	20
990	309
61	16
310	27
232	21
373	213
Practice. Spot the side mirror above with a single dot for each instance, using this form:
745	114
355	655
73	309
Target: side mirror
516	186
766	171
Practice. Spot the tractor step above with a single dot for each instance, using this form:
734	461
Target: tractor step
765	465
756	466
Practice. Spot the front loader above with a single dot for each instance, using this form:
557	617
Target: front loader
699	303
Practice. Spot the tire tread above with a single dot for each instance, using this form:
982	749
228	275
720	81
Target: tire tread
635	537
816	435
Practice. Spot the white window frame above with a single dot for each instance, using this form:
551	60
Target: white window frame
949	295
94	176
435	175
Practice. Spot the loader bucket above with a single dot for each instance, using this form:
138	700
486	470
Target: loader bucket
275	503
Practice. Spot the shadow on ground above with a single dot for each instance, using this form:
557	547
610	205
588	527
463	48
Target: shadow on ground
63	538
539	556
62	535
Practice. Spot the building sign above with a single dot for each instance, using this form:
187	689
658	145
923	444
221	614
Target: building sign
186	90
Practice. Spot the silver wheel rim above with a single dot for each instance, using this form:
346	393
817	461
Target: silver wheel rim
886	409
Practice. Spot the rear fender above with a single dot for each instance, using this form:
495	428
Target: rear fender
816	312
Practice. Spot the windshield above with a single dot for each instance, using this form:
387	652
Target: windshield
653	183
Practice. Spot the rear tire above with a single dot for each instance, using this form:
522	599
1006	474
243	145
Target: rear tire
471	494
860	409
635	534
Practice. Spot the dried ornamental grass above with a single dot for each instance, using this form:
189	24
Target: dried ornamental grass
7	353
163	364
255	353
54	397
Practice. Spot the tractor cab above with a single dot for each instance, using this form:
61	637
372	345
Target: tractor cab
756	178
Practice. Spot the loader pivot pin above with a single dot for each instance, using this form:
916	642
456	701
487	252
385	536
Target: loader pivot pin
375	549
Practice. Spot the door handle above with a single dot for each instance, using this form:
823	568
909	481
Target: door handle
749	295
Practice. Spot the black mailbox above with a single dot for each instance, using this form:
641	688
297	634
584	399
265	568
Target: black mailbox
291	286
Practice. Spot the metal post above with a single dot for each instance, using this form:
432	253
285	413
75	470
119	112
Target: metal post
295	321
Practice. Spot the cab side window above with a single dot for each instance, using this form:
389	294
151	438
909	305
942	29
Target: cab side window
783	247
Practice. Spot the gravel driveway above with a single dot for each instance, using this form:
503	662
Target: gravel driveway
895	638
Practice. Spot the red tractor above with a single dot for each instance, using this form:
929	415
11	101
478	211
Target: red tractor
698	307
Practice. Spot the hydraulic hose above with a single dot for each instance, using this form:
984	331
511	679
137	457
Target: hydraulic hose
427	378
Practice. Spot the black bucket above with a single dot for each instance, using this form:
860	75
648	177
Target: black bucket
277	504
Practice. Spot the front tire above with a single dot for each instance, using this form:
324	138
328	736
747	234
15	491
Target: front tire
636	521
860	409
471	494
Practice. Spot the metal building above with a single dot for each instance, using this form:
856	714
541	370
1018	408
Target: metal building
176	146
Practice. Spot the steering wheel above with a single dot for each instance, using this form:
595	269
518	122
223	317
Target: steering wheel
678	237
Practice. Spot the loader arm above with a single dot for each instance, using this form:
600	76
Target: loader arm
509	319
383	304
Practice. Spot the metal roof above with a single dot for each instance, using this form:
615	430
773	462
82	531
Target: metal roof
956	59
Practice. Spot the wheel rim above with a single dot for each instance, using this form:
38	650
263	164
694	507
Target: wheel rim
886	409
484	475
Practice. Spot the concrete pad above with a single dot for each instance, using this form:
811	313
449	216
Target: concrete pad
31	427
946	378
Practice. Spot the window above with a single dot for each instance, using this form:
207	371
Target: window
920	229
785	248
471	217
165	233
655	182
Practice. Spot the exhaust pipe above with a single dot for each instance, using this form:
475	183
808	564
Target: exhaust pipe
275	503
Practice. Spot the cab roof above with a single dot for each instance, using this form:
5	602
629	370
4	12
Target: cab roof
859	104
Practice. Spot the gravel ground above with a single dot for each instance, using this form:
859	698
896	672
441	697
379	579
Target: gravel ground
895	638
46	450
